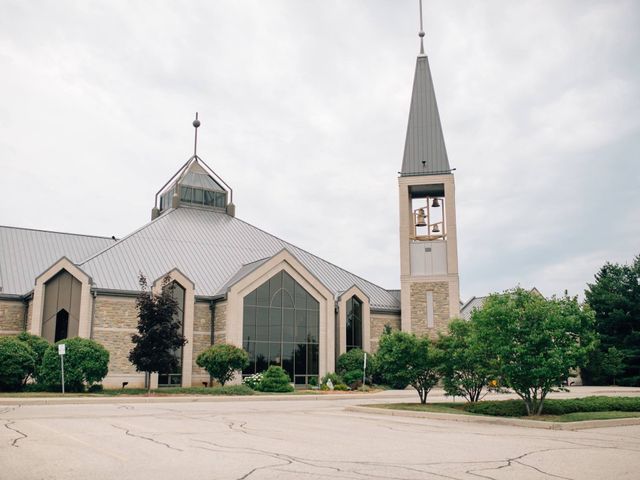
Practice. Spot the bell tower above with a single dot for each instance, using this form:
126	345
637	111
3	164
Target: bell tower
430	287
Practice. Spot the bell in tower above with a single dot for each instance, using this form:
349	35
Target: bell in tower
428	238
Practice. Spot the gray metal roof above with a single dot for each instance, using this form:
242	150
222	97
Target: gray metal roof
211	249
200	180
470	306
425	141
26	253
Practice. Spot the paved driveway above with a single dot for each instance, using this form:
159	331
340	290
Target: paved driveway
294	439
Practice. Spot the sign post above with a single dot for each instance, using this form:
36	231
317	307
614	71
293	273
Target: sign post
61	352
364	371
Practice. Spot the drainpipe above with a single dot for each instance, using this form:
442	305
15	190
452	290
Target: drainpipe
212	307
94	294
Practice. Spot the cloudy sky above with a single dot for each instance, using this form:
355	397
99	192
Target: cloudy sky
304	107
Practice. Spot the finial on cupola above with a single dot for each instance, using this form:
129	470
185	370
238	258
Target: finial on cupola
196	124
421	32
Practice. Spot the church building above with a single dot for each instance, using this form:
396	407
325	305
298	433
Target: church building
235	283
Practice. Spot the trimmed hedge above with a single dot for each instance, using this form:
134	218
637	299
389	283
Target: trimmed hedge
516	408
275	379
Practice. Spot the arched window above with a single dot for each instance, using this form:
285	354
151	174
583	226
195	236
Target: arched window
354	323
62	325
174	377
281	327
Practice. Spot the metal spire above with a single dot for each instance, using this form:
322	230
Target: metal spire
421	32
196	124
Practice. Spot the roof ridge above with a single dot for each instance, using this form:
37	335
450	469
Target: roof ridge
56	232
126	237
314	255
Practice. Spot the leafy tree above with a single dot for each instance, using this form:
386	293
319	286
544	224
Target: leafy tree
16	363
85	362
613	363
39	345
467	366
222	361
275	379
406	359
159	331
350	366
537	342
615	299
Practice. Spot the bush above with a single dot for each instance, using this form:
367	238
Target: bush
222	361
253	381
341	387
349	366
335	380
86	362
16	363
39	345
275	379
516	408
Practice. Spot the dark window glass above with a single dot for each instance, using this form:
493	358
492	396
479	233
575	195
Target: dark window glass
62	325
281	327
220	199
354	323
198	196
174	378
186	194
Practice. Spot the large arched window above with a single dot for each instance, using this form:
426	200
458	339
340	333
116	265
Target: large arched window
354	323
281	327
174	377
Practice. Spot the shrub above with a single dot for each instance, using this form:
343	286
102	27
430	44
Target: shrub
516	408
39	345
253	381
500	408
341	387
222	361
349	366
335	380
85	362
16	363
275	379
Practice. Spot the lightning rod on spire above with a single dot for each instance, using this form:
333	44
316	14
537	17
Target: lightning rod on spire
196	124
421	32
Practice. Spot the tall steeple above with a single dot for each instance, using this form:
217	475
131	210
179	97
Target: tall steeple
429	280
424	149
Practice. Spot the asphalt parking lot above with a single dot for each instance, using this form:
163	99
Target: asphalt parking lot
302	438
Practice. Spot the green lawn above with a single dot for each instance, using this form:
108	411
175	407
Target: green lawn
595	408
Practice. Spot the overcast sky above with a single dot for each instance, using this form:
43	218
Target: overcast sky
304	106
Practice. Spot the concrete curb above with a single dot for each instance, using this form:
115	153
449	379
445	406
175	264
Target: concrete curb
514	422
26	401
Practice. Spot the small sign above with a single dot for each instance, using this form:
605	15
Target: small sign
61	349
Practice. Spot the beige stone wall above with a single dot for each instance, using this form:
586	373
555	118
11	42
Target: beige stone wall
201	337
220	323
11	317
29	314
378	321
418	293
114	322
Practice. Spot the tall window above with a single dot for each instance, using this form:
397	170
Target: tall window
174	377
354	323
281	327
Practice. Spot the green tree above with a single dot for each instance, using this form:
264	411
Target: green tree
467	365
222	361
159	331
615	299
275	379
39	345
16	363
403	358
613	364
537	343
85	362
